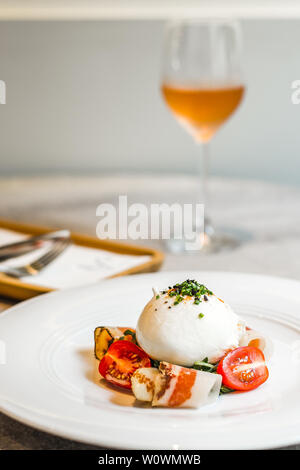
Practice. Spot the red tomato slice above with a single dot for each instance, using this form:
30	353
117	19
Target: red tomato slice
243	368
120	361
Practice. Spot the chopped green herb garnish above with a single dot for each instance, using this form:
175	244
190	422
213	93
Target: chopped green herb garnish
127	333
178	299
157	297
189	288
225	390
205	366
201	315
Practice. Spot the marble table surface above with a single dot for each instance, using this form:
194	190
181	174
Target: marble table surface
269	212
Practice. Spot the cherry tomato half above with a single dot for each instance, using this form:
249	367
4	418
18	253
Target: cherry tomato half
243	368
120	361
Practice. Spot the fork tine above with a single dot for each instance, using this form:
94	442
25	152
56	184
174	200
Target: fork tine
49	256
33	268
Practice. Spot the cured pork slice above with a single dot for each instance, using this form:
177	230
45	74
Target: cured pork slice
178	386
175	386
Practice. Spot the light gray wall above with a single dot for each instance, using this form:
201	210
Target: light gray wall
85	96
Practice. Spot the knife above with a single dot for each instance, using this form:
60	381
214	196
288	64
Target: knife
13	250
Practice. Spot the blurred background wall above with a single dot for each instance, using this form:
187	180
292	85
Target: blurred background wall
83	96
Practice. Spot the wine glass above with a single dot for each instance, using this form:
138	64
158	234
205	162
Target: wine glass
202	85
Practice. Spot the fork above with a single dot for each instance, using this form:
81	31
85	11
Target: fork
32	269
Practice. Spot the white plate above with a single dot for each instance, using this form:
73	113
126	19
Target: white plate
50	379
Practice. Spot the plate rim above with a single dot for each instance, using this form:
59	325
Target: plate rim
110	444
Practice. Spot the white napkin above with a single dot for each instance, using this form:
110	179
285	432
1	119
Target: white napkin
76	266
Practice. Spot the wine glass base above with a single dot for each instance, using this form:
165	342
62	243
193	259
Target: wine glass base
212	241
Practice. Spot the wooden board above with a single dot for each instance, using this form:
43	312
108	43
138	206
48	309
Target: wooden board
17	289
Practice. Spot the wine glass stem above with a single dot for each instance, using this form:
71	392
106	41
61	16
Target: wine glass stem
205	181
